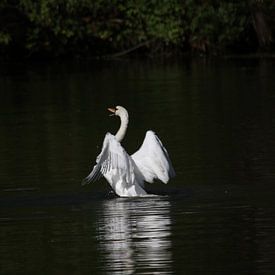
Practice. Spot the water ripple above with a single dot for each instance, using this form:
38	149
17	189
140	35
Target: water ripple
134	234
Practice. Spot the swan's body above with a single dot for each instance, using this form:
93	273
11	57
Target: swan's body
126	174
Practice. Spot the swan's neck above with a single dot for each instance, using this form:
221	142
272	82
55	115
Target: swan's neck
123	127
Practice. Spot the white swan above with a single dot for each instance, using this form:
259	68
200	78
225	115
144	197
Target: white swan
126	174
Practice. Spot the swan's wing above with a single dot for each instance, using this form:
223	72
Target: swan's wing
153	160
112	156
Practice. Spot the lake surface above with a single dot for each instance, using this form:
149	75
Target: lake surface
216	119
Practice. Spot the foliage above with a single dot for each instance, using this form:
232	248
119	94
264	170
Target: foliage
215	25
98	27
4	38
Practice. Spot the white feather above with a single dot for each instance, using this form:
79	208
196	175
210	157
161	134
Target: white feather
153	160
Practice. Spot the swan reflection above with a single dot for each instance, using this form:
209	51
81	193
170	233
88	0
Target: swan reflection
134	235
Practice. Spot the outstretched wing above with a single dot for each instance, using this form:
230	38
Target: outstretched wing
152	159
112	156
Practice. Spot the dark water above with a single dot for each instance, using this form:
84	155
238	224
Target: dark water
216	119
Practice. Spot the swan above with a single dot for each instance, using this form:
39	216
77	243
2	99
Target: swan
126	174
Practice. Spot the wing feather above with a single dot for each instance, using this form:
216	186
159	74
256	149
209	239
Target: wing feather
112	156
152	159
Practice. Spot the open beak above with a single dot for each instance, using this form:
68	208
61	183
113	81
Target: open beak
112	110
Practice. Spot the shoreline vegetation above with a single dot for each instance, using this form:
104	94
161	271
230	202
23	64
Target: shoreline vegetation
53	29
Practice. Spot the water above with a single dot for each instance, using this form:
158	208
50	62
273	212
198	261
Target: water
216	118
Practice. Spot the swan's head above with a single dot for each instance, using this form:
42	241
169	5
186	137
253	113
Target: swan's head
119	111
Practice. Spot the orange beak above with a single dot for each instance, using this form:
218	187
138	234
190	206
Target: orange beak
112	110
